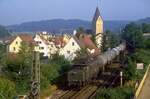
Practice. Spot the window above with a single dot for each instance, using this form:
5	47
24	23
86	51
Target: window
68	52
38	42
16	42
14	48
72	43
41	47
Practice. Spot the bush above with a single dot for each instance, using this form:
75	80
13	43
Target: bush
129	71
7	89
124	92
62	64
50	72
53	69
140	56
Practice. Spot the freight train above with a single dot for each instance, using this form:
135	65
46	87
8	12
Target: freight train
84	73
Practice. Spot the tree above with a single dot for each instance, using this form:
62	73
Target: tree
2	53
110	40
130	70
80	30
18	66
132	33
50	72
147	43
62	63
145	28
7	89
81	56
4	32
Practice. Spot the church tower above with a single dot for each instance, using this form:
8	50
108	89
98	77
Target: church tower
97	28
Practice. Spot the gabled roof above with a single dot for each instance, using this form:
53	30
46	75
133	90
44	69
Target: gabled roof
43	39
81	44
89	44
8	40
85	42
59	42
97	14
24	37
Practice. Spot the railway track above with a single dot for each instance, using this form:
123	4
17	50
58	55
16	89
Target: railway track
106	84
84	90
68	95
89	91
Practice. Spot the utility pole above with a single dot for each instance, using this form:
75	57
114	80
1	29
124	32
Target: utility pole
35	77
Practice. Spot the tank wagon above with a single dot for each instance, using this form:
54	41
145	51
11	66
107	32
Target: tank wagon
82	74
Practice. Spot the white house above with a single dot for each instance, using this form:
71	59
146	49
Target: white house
75	44
69	50
44	46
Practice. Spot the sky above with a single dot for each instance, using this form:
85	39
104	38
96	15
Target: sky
18	11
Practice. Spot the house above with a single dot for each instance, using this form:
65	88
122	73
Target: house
59	42
45	35
89	45
69	50
44	45
66	38
76	44
14	43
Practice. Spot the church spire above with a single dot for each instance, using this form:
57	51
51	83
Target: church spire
97	14
97	22
97	27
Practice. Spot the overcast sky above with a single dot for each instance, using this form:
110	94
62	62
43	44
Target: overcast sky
17	11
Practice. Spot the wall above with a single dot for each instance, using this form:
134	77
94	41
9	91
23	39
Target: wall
15	45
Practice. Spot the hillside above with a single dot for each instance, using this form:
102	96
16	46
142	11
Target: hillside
3	32
145	20
61	25
55	25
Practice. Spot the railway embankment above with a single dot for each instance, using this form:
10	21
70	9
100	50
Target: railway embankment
133	79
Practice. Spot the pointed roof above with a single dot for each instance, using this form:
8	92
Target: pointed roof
97	14
24	37
79	42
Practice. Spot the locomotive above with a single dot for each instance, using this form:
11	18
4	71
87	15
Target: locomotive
84	73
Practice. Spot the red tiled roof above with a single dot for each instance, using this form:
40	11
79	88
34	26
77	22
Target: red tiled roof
59	41
24	37
88	43
8	40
